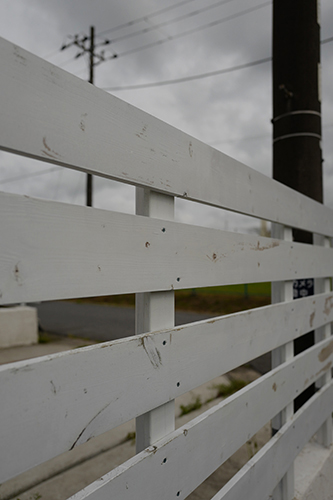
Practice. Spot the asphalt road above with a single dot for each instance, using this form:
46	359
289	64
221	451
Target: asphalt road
104	322
95	322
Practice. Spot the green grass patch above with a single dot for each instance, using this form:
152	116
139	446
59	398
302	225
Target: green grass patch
216	300
243	289
225	390
218	304
195	405
131	436
44	338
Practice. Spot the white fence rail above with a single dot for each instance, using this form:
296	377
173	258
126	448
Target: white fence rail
51	250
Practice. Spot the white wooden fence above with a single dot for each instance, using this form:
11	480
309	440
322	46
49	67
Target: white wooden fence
52	250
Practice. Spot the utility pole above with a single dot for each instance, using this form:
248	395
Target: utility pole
297	155
95	58
91	80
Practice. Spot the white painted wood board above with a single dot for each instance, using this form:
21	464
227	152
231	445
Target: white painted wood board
57	402
154	311
183	460
51	115
51	250
285	489
259	476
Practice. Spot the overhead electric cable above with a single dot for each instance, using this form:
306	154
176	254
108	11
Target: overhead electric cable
327	40
170	21
26	176
143	18
189	78
195	77
51	54
191	31
161	30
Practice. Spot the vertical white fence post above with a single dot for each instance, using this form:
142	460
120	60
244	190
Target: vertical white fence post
154	311
283	292
324	434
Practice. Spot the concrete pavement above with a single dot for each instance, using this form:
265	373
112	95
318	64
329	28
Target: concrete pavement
107	322
96	321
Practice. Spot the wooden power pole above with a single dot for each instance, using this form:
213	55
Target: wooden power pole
91	80
96	56
297	155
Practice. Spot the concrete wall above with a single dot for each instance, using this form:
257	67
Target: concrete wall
18	326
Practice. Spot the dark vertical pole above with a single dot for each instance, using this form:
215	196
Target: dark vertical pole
91	80
297	157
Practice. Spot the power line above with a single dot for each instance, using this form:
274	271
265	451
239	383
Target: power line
191	31
26	176
170	21
327	40
195	77
189	78
51	54
160	30
96	57
180	35
171	37
143	18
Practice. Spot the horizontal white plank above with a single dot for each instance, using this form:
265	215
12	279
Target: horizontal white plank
183	460
50	250
261	474
60	401
51	115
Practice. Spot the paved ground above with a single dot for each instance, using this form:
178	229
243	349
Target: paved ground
96	322
105	322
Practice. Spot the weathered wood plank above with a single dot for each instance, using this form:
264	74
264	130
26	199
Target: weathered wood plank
283	291
66	121
268	466
183	460
51	250
154	311
323	435
58	402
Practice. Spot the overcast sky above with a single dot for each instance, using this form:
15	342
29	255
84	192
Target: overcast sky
231	111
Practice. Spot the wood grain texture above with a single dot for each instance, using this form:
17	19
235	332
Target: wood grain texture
154	311
285	489
60	401
270	464
51	115
51	250
183	460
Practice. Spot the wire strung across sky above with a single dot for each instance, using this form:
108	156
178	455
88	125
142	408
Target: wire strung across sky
170	21
144	18
192	30
173	37
182	34
26	176
189	78
196	77
131	23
